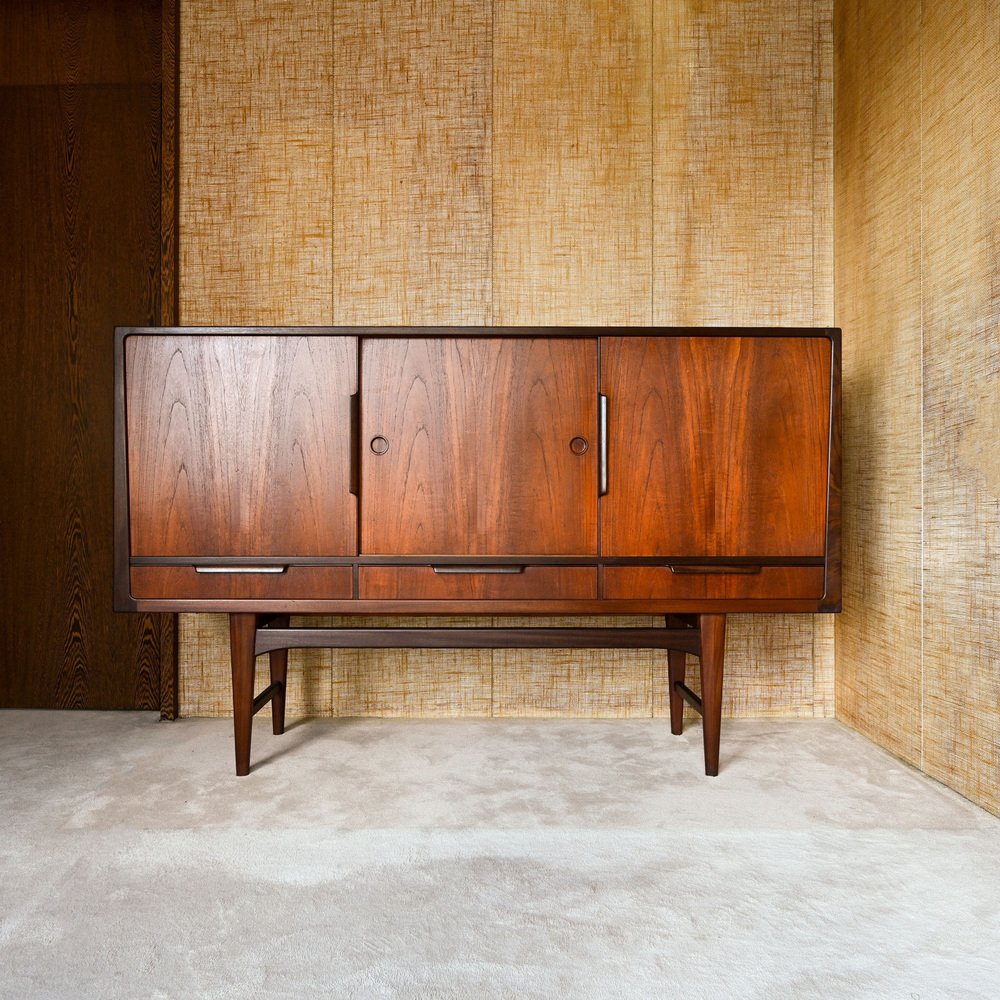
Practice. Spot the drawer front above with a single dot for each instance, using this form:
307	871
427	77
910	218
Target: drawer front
487	583
691	583
292	583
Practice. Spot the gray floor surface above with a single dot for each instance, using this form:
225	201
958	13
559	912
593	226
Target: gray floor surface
482	859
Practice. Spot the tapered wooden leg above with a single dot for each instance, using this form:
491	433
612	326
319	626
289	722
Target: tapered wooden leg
279	676
676	673
242	636
713	653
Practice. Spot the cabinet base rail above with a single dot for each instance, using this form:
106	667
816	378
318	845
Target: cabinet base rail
252	635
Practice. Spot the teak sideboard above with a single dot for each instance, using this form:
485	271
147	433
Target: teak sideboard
683	473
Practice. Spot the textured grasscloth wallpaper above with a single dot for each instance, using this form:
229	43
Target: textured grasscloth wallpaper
918	297
878	306
509	162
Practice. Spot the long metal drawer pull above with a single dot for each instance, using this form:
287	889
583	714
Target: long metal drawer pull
602	445
240	569
741	569
469	570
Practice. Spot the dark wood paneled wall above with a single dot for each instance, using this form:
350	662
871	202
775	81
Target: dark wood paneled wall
80	217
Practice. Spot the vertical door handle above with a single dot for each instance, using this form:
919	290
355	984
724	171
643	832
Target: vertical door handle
602	445
355	445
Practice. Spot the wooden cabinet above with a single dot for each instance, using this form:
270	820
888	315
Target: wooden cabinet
685	473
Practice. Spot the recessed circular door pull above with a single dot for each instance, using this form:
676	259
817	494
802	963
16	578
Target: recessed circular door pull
379	445
579	445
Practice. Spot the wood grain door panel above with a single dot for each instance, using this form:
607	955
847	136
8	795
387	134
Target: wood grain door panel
80	192
718	446
240	445
483	446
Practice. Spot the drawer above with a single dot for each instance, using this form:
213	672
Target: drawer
774	583
290	583
486	583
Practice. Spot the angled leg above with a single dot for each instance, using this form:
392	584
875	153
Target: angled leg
242	636
676	672
713	654
279	679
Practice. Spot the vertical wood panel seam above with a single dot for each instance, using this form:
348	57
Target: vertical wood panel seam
920	297
334	62
488	320
812	249
651	83
335	659
833	299
812	196
493	291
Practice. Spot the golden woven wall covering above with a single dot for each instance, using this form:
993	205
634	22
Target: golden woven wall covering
509	162
878	307
918	296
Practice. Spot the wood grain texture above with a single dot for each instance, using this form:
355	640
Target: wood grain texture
711	661
478	435
691	474
390	583
65	42
879	308
244	668
662	582
572	162
412	119
169	221
158	582
256	173
79	169
237	445
960	271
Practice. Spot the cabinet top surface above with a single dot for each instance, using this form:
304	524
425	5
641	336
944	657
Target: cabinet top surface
832	333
